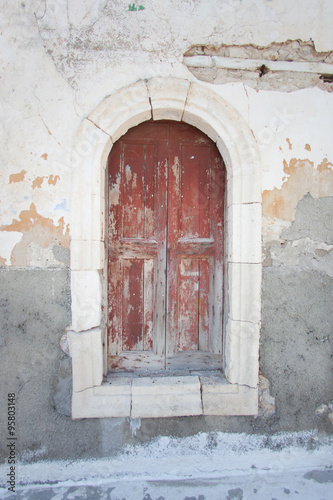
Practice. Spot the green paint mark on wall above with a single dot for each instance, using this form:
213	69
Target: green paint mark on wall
133	8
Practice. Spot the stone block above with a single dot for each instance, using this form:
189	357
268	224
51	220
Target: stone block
89	157
86	350
89	221
244	233
87	254
166	397
107	401
221	398
244	291
168	97
242	352
125	109
204	111
86	300
214	116
244	185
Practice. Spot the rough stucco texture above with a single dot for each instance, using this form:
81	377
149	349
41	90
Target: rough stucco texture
296	347
296	338
35	309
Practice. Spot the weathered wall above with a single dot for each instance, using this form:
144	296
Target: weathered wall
60	59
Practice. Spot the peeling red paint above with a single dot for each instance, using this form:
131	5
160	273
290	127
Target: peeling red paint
17	177
307	147
289	143
45	155
165	224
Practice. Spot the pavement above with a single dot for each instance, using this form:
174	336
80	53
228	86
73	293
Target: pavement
217	466
299	484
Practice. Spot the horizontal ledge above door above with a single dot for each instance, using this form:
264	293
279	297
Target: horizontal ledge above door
256	64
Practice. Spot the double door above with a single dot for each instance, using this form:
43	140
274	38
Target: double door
165	249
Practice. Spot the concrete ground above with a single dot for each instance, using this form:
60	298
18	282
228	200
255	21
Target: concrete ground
201	467
299	484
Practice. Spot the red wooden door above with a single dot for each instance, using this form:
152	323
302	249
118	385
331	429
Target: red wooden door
165	249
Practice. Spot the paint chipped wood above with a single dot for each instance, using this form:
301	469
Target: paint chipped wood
165	224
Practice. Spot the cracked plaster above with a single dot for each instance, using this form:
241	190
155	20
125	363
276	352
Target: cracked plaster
90	39
308	241
287	66
49	94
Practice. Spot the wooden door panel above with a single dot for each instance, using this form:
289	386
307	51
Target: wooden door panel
137	234
133	192
203	307
194	191
132	310
195	252
148	302
188	300
193	299
166	199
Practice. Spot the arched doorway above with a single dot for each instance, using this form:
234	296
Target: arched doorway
166	190
193	394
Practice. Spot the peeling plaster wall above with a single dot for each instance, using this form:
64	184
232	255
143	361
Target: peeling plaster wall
60	59
288	66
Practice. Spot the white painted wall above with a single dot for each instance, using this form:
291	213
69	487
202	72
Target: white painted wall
61	58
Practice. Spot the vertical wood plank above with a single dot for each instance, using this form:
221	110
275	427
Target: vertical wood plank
189	192
149	191
217	193
148	291
203	313
132	310
204	154
114	306
133	179
115	200
160	232
188	297
173	234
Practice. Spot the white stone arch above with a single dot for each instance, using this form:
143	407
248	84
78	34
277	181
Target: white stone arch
197	105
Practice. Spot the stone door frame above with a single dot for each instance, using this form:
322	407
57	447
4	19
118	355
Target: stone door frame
197	105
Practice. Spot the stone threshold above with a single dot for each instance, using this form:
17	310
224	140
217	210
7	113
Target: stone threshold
167	395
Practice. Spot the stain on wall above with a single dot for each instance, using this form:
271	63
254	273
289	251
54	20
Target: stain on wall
37	231
301	177
289	143
17	177
37	183
53	179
